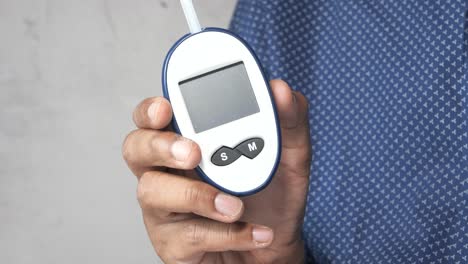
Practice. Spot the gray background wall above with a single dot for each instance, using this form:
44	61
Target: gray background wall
71	73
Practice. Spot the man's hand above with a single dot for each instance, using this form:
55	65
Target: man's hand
189	221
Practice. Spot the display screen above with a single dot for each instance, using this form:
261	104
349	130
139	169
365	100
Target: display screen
219	97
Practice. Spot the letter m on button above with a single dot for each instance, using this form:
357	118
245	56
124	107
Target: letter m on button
252	146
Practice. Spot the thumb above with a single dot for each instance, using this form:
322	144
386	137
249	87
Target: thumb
293	114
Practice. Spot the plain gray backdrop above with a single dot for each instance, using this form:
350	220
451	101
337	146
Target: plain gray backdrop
71	73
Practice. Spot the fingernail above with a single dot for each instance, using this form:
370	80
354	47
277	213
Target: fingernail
262	235
181	149
294	98
153	111
228	205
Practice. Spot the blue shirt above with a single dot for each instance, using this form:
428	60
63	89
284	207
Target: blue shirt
387	84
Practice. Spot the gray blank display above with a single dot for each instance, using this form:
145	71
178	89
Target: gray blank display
219	97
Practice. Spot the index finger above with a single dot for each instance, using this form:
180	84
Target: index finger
164	192
153	113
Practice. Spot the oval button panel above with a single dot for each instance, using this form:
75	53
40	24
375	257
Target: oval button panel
250	148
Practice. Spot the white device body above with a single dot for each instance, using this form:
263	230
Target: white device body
200	53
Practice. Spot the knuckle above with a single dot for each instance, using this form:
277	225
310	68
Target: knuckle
231	233
128	147
159	145
196	192
155	142
143	196
192	193
193	234
147	189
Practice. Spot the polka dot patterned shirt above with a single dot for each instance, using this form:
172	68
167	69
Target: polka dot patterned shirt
387	85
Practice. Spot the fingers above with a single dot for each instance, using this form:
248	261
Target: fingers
153	113
164	193
202	235
148	148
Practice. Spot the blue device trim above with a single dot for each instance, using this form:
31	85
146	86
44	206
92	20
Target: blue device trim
200	172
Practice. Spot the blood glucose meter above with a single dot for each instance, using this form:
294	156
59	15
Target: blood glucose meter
222	101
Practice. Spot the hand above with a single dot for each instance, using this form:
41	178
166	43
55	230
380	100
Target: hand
189	221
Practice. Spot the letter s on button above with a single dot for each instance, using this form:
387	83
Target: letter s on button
225	156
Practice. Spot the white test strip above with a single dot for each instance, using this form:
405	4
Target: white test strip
191	16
